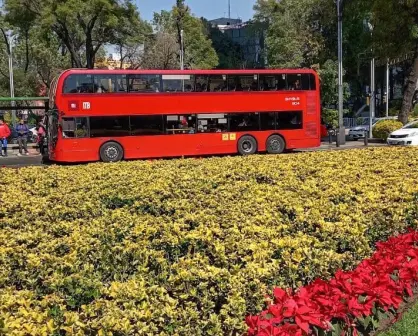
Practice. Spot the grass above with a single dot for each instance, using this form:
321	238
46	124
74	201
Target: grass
407	326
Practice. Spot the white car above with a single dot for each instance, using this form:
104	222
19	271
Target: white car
407	135
357	132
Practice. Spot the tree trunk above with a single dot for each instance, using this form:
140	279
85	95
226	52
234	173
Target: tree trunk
410	87
90	55
27	50
62	32
392	85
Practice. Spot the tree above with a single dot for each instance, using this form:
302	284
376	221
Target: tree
198	49
294	28
82	26
396	34
48	56
266	10
328	74
162	52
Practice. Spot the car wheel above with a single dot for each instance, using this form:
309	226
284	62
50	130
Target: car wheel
111	152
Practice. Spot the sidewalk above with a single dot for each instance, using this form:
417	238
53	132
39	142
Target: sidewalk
13	149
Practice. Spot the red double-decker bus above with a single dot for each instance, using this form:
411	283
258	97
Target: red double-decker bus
130	114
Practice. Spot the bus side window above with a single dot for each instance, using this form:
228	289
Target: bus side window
201	83
81	128
281	82
68	128
239	122
267	121
268	83
181	124
75	128
178	83
312	82
109	83
243	83
212	123
147	125
294	82
305	81
289	120
79	84
104	83
144	83
116	126
217	83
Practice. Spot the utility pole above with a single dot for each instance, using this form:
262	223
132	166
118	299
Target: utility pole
387	87
372	95
9	44
229	9
340	75
372	87
182	49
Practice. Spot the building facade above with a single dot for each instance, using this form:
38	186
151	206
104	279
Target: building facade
249	36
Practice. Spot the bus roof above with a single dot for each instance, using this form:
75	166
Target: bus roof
188	72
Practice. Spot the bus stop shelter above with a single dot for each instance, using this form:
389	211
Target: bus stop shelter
22	103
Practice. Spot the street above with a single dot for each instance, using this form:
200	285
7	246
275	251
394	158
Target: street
13	161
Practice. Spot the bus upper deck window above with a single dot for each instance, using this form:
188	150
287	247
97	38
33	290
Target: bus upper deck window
79	84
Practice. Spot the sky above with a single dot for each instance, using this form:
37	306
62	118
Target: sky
210	9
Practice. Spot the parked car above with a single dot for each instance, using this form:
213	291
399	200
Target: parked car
407	135
357	132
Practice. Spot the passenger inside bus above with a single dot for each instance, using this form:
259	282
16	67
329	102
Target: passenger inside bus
296	85
253	86
244	122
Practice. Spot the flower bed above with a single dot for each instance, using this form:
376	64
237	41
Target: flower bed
352	303
189	247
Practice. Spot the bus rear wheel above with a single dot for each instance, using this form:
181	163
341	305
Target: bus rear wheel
275	144
111	152
247	145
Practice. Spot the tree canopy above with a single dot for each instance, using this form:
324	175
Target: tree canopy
164	50
82	26
393	19
303	33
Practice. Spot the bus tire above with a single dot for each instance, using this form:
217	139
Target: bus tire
247	145
275	144
111	152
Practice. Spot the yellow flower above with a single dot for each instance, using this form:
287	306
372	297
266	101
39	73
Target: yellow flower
188	247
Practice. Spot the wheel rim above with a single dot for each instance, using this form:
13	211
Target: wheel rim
275	144
112	153
247	146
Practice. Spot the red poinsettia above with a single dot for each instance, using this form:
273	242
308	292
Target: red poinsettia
381	281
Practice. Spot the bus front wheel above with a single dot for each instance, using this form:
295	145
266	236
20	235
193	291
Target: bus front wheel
275	144
247	145
111	152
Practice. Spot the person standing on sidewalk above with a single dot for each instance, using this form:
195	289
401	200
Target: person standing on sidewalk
22	131
41	137
4	134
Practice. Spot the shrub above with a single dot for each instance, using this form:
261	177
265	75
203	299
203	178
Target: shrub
188	247
383	128
330	116
414	113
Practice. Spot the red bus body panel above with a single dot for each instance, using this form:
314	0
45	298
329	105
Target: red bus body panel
135	147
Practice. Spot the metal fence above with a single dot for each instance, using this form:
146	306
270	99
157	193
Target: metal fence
353	122
350	122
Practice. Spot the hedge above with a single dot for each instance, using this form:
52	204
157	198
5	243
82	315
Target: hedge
383	128
188	247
